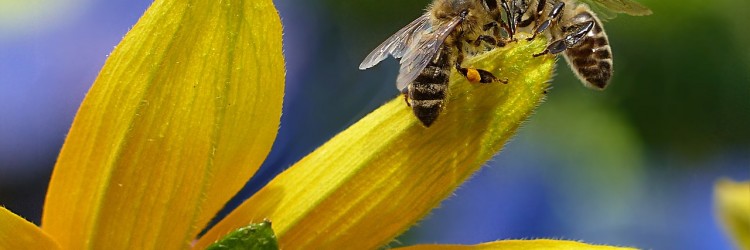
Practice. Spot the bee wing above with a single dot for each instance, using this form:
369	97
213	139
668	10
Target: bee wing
397	44
418	55
608	9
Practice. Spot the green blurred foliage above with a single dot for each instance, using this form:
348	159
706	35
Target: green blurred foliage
600	150
681	77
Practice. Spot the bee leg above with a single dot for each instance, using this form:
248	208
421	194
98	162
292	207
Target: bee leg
405	92
516	12
520	11
510	26
539	29
502	42
472	74
553	16
574	35
479	75
540	6
487	39
554	47
495	27
534	17
496	39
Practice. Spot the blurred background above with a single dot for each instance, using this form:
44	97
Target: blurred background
634	165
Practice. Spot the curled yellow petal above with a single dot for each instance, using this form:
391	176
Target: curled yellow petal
18	233
378	177
520	245
182	114
732	201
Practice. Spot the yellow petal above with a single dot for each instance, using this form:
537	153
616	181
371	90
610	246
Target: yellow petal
182	114
17	233
733	205
520	245
375	179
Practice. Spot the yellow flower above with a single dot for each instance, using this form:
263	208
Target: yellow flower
186	109
732	201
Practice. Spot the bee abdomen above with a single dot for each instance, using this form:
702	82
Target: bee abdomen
591	59
428	92
427	111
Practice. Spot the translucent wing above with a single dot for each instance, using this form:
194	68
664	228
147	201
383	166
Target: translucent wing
608	9
397	44
418	55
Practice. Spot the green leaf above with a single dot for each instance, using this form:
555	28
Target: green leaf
256	236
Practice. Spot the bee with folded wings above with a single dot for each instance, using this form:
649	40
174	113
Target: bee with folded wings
576	31
439	39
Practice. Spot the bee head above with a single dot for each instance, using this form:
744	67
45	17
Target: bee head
447	9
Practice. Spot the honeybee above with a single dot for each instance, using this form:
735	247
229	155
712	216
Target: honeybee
576	30
430	45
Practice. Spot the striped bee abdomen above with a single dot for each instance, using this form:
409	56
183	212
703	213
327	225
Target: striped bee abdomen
591	59
428	92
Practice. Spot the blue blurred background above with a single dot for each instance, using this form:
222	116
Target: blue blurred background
633	165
